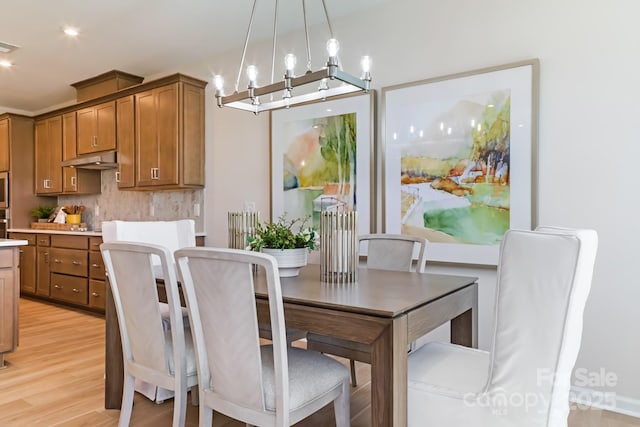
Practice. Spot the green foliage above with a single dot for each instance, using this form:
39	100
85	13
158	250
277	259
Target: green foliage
42	212
280	235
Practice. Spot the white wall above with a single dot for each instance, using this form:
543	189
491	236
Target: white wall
588	143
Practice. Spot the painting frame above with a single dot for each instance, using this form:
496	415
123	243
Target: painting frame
364	106
452	97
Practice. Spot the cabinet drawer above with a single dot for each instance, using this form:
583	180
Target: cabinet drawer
68	261
69	288
71	242
96	266
31	238
94	243
43	240
97	298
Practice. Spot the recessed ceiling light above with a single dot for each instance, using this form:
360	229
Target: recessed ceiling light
71	31
6	64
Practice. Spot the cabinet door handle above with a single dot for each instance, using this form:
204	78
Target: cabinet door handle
57	286
77	291
42	241
74	262
57	261
73	181
94	141
21	251
95	294
46	183
117	176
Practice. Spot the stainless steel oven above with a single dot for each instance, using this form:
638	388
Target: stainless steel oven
4	190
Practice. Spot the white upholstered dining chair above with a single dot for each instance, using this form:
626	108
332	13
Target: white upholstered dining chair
543	281
270	385
384	252
172	235
160	357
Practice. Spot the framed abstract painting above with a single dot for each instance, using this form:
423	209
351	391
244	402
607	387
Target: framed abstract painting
458	160
321	159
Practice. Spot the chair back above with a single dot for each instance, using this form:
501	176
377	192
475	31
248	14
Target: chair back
146	345
544	278
173	235
394	251
219	288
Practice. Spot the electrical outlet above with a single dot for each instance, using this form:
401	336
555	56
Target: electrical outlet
196	209
249	206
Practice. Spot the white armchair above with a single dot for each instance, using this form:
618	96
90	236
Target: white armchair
544	278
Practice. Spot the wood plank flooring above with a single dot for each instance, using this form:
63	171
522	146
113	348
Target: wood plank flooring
56	378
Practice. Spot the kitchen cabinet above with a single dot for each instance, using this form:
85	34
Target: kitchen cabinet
125	132
169	136
97	275
17	157
43	258
4	145
27	262
96	128
63	268
76	180
48	156
8	300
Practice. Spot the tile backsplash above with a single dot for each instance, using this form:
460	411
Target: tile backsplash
114	204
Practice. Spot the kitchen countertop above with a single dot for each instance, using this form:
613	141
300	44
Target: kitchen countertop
77	233
34	230
7	243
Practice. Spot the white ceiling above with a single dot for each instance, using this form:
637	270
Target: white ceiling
142	37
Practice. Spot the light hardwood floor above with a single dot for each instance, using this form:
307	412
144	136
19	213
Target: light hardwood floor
56	379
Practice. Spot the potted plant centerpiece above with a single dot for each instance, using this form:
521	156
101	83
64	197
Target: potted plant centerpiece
42	213
286	240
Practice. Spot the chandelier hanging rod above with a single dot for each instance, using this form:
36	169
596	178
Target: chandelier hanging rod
249	99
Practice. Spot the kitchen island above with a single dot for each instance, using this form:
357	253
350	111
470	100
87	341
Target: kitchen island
9	295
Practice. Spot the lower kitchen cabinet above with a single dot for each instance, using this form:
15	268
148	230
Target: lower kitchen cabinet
63	268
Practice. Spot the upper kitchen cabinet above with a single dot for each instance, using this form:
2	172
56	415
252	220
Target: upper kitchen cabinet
169	135
75	180
126	136
48	155
4	145
96	128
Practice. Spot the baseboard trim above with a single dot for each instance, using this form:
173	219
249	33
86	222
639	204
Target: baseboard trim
609	400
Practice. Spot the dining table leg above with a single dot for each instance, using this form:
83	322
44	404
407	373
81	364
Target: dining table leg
389	375
114	365
464	327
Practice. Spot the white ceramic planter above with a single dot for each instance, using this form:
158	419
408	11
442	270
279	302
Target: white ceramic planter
289	260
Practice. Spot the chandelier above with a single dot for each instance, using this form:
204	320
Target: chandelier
331	80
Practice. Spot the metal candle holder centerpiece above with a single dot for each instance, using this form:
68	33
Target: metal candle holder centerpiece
339	246
241	225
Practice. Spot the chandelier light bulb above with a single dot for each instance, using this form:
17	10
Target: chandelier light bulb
365	63
218	82
290	61
333	47
252	73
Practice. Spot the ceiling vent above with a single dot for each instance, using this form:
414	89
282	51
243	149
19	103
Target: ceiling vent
7	47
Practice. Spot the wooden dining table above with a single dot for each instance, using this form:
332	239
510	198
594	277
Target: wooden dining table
385	310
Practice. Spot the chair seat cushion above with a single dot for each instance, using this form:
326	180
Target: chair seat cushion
311	375
449	369
166	322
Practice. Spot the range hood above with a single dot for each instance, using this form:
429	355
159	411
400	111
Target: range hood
99	161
